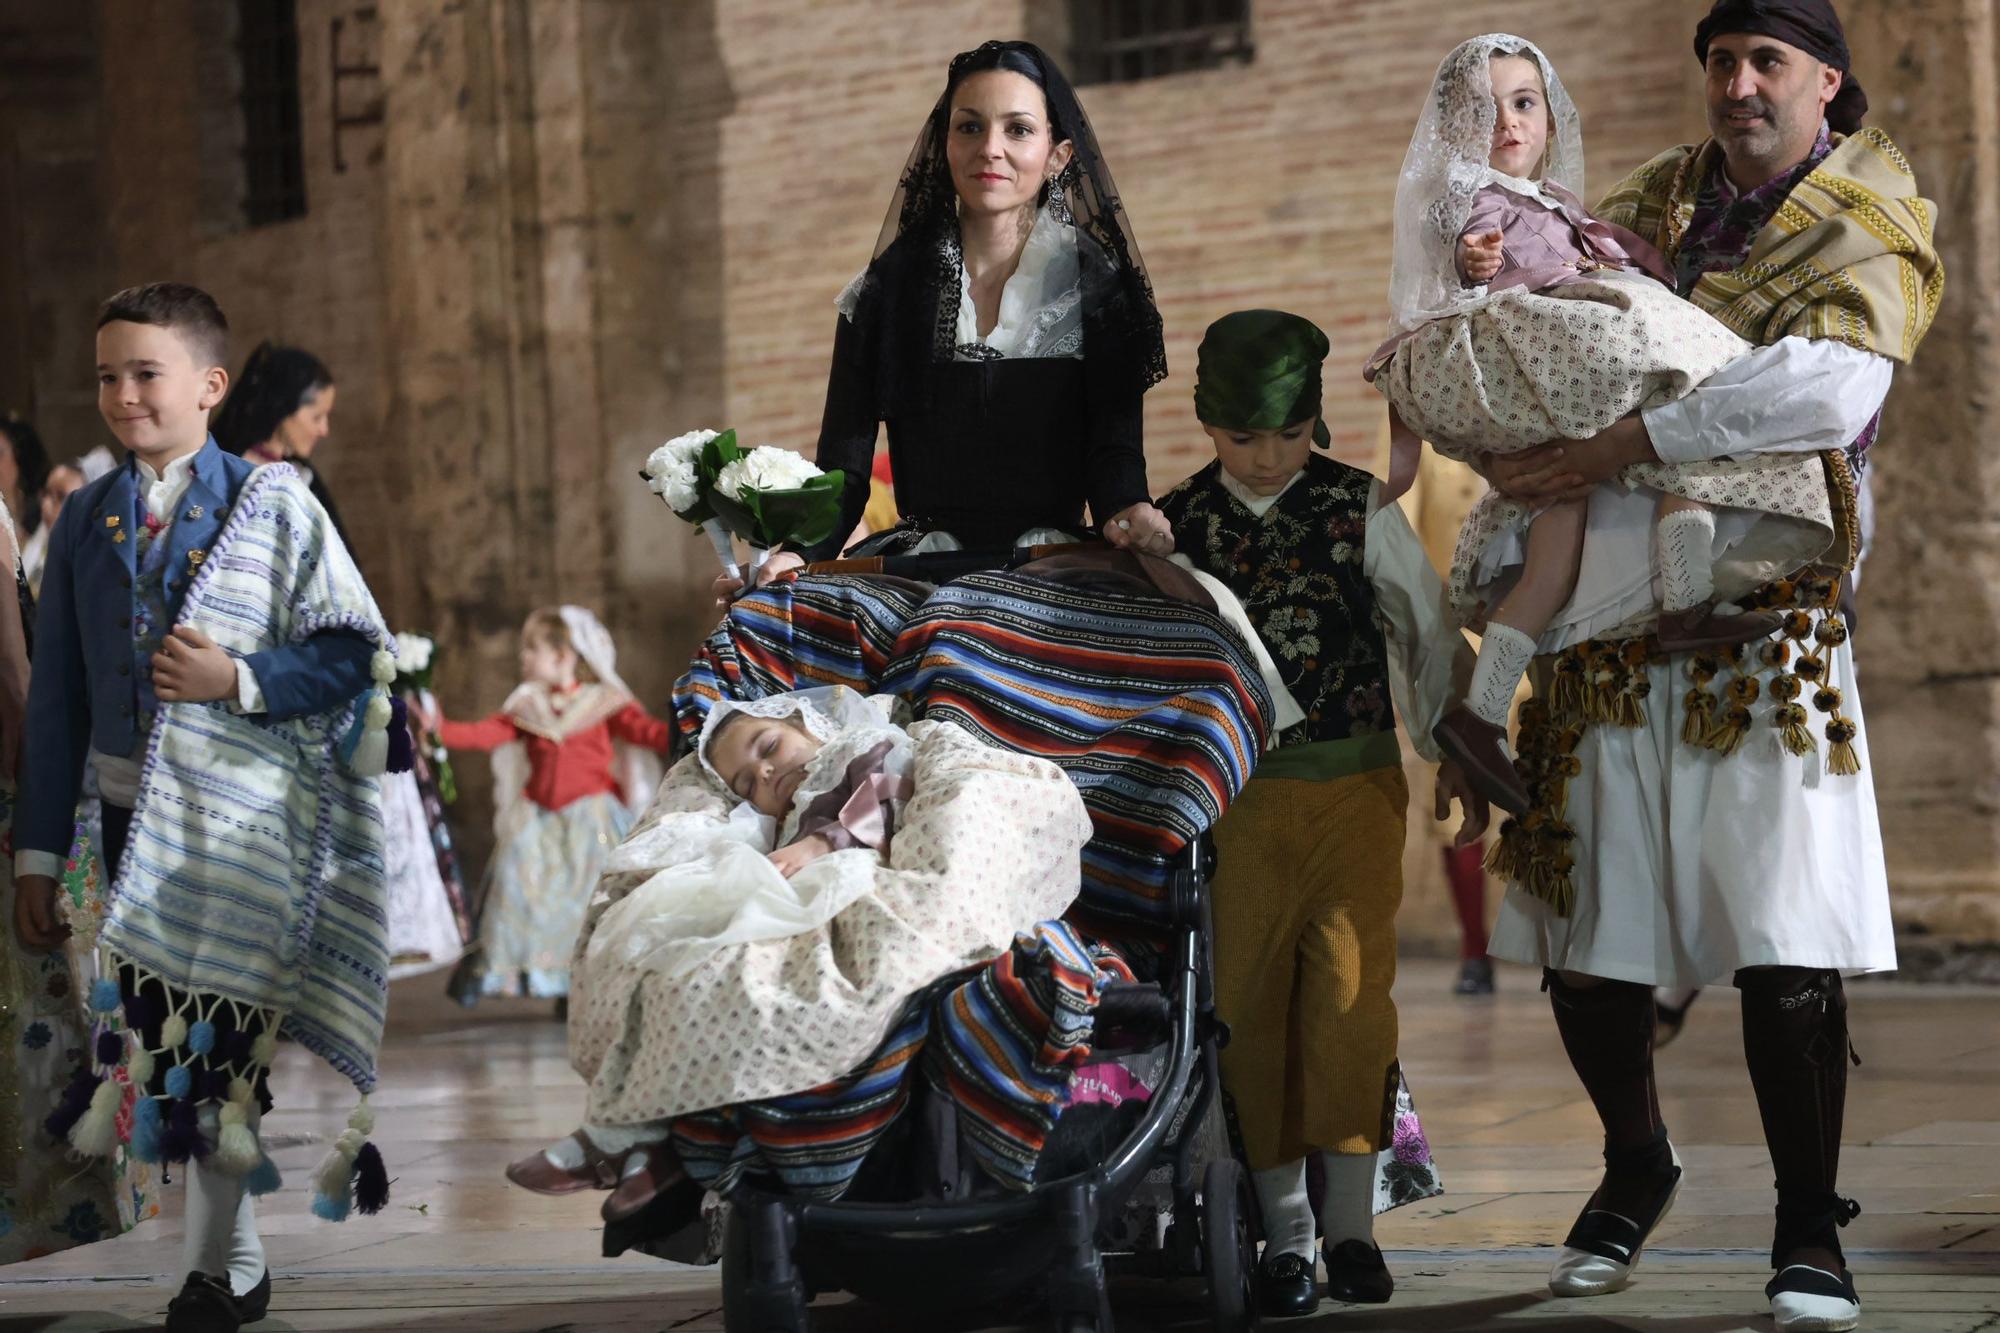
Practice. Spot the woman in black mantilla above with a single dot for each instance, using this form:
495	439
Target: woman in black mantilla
1005	330
278	412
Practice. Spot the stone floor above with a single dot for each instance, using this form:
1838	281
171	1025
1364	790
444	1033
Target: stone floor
458	1249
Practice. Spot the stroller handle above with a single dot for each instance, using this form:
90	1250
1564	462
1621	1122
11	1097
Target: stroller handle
944	566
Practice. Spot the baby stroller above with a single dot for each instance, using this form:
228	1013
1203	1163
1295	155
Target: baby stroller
1149	1181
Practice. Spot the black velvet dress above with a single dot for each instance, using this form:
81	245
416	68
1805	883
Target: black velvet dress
986	449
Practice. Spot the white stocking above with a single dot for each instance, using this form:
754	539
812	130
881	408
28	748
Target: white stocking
1686	540
221	1224
1348	1211
1504	654
614	1141
1288	1214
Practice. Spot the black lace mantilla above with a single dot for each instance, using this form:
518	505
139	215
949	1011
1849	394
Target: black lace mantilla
909	308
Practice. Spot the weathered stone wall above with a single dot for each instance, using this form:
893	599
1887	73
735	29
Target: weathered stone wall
1929	643
587	225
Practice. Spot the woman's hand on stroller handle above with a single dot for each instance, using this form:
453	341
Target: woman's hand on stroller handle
1142	528
727	588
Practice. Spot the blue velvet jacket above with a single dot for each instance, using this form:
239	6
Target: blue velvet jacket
82	693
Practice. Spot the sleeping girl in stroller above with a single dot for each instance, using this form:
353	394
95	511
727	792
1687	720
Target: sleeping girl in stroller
812	867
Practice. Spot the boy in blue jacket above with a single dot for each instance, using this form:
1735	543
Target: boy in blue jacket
112	654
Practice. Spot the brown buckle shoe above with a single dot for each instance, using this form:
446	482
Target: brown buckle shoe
638	1187
1481	750
536	1172
1700	628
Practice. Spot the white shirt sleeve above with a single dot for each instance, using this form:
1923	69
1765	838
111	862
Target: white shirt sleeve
1430	661
249	694
28	863
1798	395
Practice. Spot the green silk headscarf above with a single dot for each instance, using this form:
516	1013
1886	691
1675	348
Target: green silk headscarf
1260	370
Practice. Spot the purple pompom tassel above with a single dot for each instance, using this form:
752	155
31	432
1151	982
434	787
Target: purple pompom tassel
402	749
371	1180
182	1139
75	1101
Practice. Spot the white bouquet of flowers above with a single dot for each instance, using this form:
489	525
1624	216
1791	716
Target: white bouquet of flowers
674	473
764	495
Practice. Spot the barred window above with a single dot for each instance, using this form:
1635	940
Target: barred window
274	174
1116	41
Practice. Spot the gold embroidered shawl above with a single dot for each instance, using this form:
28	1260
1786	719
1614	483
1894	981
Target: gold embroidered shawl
1848	255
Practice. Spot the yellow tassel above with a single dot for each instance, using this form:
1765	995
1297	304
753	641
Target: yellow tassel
1504	861
1842	760
1700	719
1631	704
1790	720
1728	735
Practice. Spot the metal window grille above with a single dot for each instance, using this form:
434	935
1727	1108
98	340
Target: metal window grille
1118	41
274	173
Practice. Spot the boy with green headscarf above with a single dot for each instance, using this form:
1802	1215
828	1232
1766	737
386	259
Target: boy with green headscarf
1311	871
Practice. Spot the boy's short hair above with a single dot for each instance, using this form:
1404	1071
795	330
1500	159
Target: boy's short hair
188	311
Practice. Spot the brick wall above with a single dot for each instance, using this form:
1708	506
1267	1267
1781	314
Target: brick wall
591	224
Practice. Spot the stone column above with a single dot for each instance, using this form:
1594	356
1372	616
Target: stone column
491	373
1929	636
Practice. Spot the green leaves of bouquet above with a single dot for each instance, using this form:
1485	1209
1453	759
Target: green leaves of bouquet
769	495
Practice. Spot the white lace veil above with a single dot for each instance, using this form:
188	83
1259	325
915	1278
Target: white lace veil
1448	164
825	711
593	644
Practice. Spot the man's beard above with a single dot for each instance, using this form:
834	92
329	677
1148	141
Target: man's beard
1761	140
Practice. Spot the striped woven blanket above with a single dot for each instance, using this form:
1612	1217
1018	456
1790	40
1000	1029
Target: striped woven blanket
1154	710
254	872
1153	707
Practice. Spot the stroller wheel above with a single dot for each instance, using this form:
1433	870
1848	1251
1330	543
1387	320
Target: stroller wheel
1084	1323
1229	1247
762	1291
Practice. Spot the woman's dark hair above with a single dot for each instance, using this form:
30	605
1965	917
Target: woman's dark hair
33	461
1007	58
908	307
276	382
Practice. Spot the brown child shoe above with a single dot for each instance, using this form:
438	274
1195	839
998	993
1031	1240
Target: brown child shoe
1699	628
536	1172
1481	750
638	1186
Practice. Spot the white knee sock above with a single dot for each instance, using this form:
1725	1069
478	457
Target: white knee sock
1686	540
1504	654
1348	1211
1288	1214
220	1230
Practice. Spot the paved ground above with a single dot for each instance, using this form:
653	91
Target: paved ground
459	1249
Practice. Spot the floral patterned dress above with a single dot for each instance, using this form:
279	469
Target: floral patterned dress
48	1201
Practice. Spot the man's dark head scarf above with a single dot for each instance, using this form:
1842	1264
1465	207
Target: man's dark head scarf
1260	370
1811	26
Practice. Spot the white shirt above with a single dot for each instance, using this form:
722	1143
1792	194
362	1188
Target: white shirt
1798	395
118	775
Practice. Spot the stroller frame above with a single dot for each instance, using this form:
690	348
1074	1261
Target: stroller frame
778	1250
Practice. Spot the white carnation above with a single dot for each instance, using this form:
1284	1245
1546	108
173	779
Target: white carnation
765	468
671	469
413	652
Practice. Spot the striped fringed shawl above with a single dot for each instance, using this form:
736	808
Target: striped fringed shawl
1847	257
254	871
